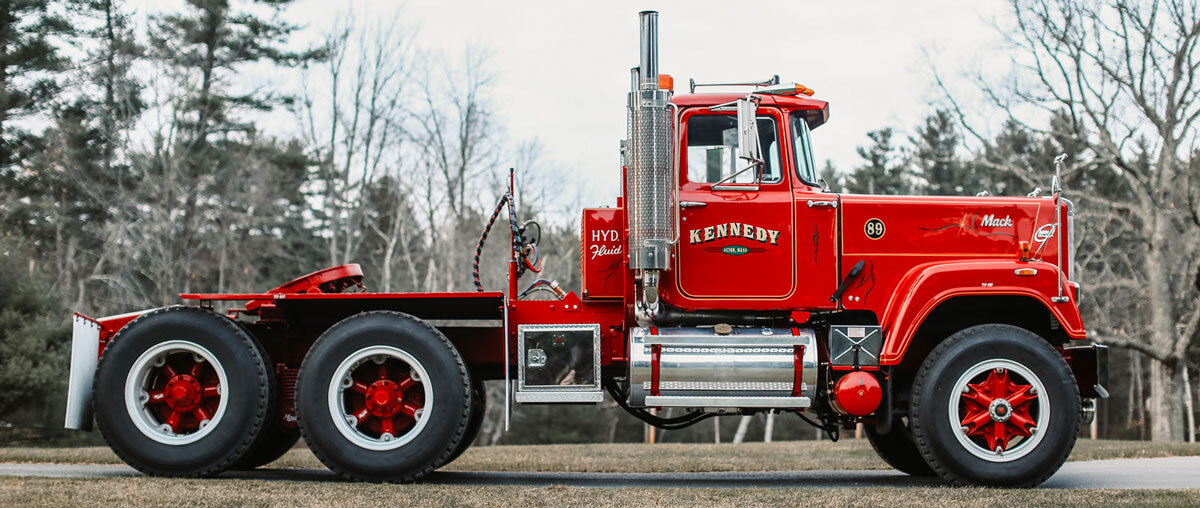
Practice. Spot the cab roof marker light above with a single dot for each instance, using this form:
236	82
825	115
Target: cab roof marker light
787	89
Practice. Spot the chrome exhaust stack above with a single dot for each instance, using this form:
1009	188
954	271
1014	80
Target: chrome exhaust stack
648	64
650	203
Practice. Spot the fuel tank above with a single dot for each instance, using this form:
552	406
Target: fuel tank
722	367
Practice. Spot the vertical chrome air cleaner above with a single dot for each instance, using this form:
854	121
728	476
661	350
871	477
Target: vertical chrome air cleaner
650	202
651	197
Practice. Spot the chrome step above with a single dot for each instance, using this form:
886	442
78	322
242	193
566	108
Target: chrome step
720	401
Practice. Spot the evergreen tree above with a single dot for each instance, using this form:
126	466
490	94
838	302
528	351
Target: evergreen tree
114	51
192	172
28	59
885	170
33	333
935	157
832	178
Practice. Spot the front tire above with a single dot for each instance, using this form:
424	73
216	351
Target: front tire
181	391
995	405
383	396
898	450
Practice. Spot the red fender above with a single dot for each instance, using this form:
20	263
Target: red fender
926	286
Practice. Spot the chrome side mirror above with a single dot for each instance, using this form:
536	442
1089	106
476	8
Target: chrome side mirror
748	143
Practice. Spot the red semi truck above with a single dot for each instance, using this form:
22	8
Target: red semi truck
724	281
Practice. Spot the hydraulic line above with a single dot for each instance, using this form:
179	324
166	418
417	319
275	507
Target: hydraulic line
676	423
518	244
830	428
506	198
543	285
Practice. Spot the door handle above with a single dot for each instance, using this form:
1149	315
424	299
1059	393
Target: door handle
692	204
813	204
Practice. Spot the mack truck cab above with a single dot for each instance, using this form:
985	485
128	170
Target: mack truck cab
725	281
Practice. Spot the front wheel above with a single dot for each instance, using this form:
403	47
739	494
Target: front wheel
995	405
897	449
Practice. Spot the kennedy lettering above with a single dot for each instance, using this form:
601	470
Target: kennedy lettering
733	230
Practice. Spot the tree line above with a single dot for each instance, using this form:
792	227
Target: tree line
136	162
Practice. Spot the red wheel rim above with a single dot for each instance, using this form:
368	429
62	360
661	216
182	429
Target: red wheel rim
385	398
183	393
175	392
998	409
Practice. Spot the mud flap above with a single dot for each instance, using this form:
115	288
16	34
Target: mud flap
1090	366
85	353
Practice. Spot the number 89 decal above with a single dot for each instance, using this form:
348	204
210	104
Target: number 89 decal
874	229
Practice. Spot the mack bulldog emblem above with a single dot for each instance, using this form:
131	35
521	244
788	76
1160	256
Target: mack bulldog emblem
733	230
1044	233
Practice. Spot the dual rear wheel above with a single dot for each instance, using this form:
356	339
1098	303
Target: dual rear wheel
381	396
182	391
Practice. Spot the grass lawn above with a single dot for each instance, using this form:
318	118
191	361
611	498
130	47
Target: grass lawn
796	455
219	492
639	458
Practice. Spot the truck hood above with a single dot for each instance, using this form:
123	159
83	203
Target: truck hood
950	227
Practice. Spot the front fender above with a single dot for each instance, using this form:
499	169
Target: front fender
926	286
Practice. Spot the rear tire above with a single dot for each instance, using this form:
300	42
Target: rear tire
181	391
989	388
478	412
898	450
274	444
383	396
275	439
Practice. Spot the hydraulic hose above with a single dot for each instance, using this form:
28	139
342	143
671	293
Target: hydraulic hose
505	199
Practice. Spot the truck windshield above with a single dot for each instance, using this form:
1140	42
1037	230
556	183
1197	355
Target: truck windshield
712	150
805	168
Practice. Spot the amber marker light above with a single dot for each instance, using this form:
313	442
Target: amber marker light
1025	272
666	82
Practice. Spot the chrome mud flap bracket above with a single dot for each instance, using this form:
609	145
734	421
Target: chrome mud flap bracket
1089	364
85	353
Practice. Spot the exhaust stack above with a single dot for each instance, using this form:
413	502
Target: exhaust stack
649	62
650	202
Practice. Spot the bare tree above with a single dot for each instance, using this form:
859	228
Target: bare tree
1122	77
459	144
358	126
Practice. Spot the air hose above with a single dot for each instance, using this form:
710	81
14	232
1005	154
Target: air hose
505	199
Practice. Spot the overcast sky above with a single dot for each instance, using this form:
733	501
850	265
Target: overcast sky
561	69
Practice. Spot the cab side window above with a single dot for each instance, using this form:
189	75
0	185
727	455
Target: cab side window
712	150
805	168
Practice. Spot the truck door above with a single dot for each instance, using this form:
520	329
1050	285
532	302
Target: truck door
817	248
736	228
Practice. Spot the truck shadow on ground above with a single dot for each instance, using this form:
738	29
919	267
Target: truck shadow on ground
771	479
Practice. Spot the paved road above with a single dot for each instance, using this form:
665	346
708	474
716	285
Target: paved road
1161	473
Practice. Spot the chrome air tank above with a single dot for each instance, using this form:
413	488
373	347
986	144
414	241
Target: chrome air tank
726	368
